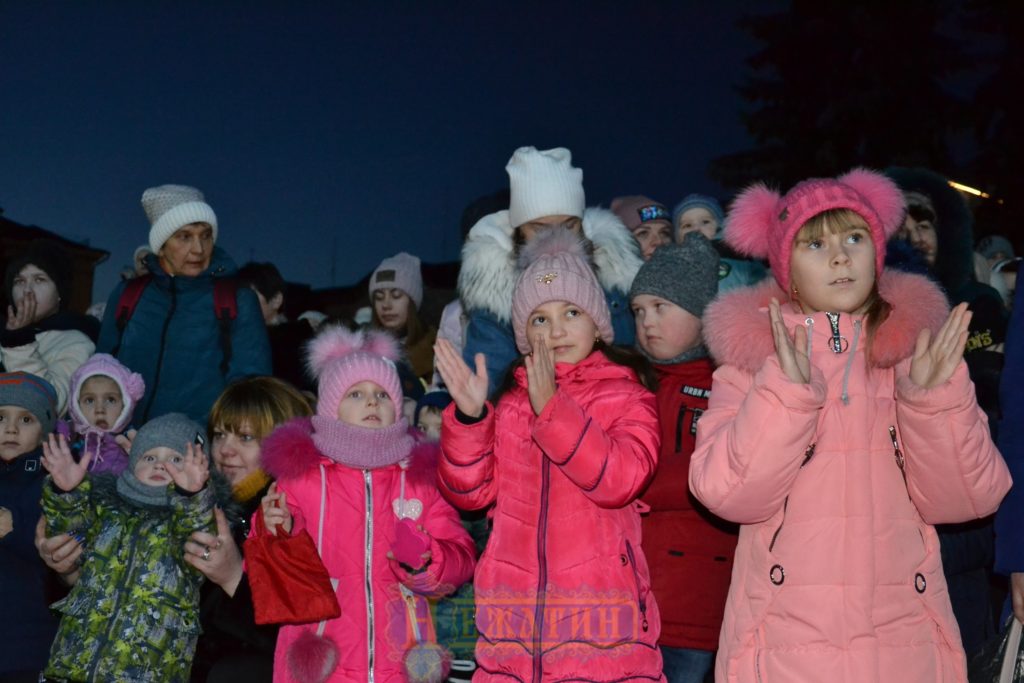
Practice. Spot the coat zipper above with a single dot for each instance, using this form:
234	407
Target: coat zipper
368	549
808	454
641	600
163	346
898	455
542	578
112	623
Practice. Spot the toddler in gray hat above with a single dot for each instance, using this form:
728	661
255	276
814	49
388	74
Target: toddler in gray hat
135	526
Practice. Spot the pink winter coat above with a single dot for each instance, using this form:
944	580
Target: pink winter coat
373	631
562	590
837	575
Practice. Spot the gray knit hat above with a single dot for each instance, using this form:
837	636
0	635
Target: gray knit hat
685	274
31	392
173	431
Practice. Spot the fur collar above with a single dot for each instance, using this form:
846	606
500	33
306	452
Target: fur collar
488	274
737	332
289	452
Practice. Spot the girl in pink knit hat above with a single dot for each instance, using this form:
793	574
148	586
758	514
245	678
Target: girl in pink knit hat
562	589
842	425
103	395
357	478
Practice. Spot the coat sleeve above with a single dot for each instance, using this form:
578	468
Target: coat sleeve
752	440
193	513
453	554
610	464
250	346
954	472
54	356
466	466
487	335
67	511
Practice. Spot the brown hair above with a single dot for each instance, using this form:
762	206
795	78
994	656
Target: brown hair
840	221
262	402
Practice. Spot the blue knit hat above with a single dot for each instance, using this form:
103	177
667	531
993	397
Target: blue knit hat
31	392
702	201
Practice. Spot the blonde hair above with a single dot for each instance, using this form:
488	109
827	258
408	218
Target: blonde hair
839	222
260	402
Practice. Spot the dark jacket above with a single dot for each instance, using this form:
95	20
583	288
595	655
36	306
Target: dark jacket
1009	530
174	340
28	627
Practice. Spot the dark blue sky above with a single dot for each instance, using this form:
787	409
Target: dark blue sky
341	133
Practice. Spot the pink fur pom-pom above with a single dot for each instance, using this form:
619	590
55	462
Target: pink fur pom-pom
312	658
882	194
553	242
338	341
748	226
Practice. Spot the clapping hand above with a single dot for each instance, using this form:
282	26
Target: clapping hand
467	388
195	470
791	350
540	375
58	461
935	359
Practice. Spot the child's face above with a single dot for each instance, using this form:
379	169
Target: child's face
238	454
430	422
100	401
652	234
564	328
20	432
392	308
367	404
663	329
152	467
697	218
835	272
34	281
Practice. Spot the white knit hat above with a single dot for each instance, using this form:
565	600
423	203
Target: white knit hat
170	207
543	183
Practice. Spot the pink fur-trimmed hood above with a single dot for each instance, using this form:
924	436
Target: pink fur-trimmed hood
737	332
289	452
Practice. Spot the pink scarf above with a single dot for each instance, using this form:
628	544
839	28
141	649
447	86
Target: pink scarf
364	448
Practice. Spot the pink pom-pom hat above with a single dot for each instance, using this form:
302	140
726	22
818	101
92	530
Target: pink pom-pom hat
340	358
763	224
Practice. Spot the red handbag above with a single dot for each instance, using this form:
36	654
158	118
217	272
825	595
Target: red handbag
288	580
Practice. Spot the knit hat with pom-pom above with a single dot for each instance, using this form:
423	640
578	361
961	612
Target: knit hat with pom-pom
556	267
762	223
340	358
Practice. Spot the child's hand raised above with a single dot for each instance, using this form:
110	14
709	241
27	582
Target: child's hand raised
540	375
275	510
195	470
58	461
791	351
935	359
467	388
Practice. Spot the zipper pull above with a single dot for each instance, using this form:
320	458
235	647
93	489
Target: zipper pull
897	453
808	454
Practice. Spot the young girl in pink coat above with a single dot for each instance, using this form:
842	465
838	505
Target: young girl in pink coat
841	427
562	590
389	539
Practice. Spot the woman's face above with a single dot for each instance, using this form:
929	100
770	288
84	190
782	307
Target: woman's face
34	282
236	455
392	308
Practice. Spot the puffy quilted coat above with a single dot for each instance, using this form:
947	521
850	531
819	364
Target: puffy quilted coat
133	615
373	632
562	589
837	574
174	340
689	549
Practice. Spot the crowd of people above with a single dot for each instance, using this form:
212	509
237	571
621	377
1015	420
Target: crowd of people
641	444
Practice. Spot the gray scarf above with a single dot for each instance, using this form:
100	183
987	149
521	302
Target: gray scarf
133	490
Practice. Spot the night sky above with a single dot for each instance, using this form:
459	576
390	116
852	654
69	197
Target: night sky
325	134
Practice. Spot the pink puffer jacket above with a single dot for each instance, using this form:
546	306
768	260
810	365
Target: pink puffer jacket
373	631
562	590
837	574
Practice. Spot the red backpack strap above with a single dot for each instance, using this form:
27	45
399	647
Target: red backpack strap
130	296
225	307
